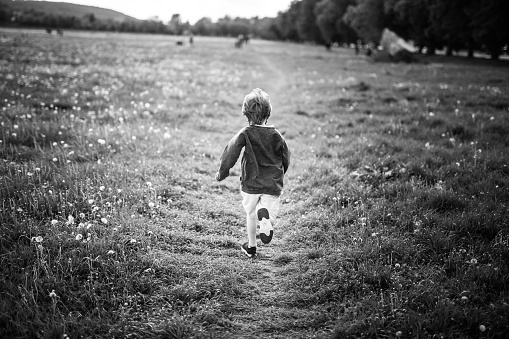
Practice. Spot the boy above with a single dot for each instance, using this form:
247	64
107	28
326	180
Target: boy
265	161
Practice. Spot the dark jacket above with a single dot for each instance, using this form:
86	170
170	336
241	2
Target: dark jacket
265	161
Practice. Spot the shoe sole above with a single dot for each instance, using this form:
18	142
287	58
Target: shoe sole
266	230
249	255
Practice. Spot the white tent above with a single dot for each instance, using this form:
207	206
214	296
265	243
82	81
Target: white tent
394	45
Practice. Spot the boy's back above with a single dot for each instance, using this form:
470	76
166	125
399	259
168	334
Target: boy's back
265	159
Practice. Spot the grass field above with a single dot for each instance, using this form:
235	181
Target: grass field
394	217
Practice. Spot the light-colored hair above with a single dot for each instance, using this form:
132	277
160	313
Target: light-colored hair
256	107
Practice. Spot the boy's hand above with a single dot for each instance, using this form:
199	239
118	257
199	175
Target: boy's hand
217	177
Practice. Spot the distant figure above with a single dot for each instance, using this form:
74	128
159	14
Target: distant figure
369	50
357	48
180	43
328	45
48	30
60	32
239	42
246	38
264	164
191	39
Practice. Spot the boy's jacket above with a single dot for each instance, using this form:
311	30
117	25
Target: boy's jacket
265	161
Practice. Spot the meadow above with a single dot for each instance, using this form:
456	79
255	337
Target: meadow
394	216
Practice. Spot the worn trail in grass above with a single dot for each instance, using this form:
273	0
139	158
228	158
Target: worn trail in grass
268	312
262	307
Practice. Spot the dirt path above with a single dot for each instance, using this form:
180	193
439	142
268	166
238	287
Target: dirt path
278	79
270	313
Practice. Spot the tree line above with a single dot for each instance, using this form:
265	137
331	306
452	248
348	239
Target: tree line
472	25
431	24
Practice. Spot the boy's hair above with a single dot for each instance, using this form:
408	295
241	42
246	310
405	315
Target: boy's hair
256	107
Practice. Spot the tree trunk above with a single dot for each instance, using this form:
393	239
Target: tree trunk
495	52
448	51
470	52
431	50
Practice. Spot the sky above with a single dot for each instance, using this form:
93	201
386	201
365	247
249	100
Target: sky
190	10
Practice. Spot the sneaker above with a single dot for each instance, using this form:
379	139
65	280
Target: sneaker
266	230
249	251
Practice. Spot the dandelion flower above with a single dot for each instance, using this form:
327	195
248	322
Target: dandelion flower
70	220
82	215
133	241
101	141
101	188
110	252
399	334
91	201
38	239
104	220
79	237
473	261
54	222
55	159
150	204
482	328
52	294
149	184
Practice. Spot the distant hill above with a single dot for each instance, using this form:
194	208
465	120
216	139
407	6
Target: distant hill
67	9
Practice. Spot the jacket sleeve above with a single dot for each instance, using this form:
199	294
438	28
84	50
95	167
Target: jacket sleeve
231	154
286	156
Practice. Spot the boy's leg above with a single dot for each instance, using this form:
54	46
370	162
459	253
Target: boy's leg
249	201
267	210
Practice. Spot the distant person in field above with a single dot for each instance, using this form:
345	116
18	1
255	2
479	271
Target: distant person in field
264	163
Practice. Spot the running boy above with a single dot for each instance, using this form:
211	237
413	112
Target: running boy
265	161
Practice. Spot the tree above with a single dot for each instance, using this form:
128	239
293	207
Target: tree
306	23
329	17
204	27
367	19
450	21
286	22
174	24
489	24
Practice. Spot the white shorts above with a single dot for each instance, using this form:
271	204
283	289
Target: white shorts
253	202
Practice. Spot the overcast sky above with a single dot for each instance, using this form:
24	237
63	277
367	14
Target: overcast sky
190	10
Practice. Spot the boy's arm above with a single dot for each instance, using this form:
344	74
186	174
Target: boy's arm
286	156
230	155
